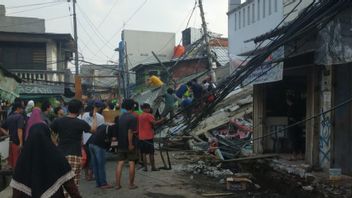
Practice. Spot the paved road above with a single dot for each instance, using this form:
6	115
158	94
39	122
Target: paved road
170	184
150	184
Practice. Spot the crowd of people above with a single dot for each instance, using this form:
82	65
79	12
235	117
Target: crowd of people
77	138
46	153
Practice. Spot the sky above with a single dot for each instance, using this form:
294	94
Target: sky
100	21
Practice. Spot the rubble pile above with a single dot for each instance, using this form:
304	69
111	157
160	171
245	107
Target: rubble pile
302	170
201	168
228	131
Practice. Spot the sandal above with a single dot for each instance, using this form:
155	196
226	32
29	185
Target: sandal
107	186
118	187
132	187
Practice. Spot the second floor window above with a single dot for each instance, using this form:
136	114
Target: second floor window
264	8
244	17
249	15
258	10
23	56
253	13
239	20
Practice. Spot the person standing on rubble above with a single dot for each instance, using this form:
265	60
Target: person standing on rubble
127	125
146	123
154	81
170	103
196	89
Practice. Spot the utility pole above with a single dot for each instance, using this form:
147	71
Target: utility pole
75	35
206	39
122	63
127	74
78	85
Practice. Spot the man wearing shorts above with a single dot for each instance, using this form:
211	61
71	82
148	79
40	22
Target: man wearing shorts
146	122
127	125
70	130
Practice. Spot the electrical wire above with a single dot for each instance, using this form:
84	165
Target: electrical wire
32	9
212	105
123	26
49	19
316	16
92	26
188	18
91	39
31	5
108	14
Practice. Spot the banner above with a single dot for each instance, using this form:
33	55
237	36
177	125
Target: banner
268	72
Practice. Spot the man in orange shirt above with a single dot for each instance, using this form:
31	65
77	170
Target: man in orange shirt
146	123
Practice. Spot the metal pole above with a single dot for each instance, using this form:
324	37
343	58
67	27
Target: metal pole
75	35
206	39
127	74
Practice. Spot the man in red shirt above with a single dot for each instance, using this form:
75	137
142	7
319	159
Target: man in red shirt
146	123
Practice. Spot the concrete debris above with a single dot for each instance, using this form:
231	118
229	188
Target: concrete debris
308	188
231	140
222	181
202	169
301	170
246	100
238	183
198	146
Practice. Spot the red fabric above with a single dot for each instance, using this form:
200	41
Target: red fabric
145	126
14	152
84	161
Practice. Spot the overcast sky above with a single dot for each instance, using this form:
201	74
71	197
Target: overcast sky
100	21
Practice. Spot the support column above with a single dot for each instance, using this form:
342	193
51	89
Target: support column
312	126
258	117
325	119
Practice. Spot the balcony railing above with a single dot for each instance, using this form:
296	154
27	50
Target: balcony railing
40	75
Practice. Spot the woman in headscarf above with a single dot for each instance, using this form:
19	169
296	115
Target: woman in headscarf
34	119
29	108
41	170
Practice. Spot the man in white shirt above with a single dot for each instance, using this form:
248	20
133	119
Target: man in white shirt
96	106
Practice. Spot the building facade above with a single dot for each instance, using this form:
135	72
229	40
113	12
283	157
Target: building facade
39	58
316	79
136	48
248	20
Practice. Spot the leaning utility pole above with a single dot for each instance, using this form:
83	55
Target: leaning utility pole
206	39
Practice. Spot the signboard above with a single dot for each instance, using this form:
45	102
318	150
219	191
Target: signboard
268	71
31	88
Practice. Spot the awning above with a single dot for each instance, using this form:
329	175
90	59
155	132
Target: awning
9	86
8	95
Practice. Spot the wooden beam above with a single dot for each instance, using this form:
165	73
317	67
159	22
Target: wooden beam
251	158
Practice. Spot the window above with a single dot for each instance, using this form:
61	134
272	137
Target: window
249	15
269	7
235	20
23	55
239	19
263	8
253	13
258	10
275	5
244	17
